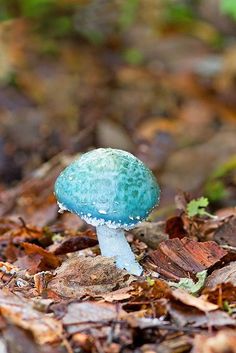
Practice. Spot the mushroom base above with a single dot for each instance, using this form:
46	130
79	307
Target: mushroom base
113	243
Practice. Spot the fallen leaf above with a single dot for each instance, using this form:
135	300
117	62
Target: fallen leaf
151	233
181	258
175	228
20	312
117	295
75	243
14	336
182	316
84	341
81	316
176	343
188	299
144	292
188	284
196	207
33	199
150	297
222	275
80	275
7	224
37	259
221	342
225	234
221	294
41	280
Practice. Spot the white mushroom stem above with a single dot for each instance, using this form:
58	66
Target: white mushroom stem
113	243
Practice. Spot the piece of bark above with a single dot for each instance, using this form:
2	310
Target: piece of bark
182	258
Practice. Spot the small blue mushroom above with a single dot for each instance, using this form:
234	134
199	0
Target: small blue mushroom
114	191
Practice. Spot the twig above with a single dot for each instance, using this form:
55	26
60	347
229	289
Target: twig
98	346
233	248
67	345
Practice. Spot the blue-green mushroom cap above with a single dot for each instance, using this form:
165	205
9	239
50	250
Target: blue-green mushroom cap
108	187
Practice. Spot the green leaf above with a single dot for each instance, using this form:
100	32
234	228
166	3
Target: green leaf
150	281
188	284
227	308
197	207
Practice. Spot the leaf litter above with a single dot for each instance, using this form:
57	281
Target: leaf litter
57	294
58	280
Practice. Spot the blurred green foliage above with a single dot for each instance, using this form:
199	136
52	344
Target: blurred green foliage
36	8
178	13
228	7
58	18
128	13
215	187
133	56
46	15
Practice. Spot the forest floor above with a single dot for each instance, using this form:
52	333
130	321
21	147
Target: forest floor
175	109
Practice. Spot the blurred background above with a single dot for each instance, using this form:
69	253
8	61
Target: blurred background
153	77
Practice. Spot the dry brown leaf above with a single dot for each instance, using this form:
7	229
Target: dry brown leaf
117	295
45	328
75	243
173	344
181	258
222	275
80	275
225	234
151	233
144	292
222	293
33	198
190	300
37	259
222	342
175	227
182	316
80	316
150	297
